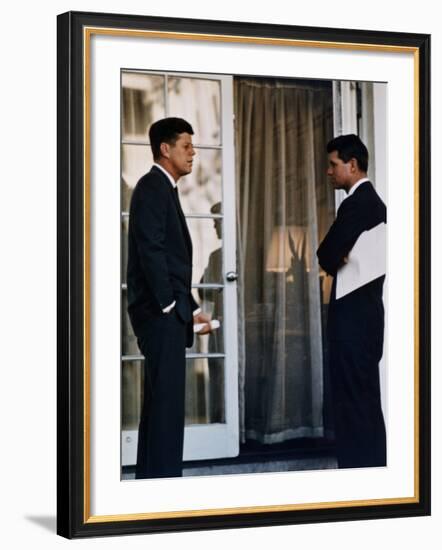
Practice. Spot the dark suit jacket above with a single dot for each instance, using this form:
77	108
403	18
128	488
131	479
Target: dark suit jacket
360	314
159	267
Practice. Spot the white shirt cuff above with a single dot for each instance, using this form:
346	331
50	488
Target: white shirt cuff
197	311
169	308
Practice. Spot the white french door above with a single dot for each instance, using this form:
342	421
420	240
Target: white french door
208	200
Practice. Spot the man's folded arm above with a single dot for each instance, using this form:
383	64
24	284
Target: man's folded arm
341	237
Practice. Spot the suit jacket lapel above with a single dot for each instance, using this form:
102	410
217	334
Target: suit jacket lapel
182	219
179	210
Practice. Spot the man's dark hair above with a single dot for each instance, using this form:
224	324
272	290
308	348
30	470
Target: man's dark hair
350	147
167	130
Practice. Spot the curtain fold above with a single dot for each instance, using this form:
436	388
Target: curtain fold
284	207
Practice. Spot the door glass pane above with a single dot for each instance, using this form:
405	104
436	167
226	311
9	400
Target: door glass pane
207	253
142	104
198	101
129	340
132	394
201	189
205	391
136	160
124	246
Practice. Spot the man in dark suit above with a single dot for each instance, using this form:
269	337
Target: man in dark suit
160	304
355	320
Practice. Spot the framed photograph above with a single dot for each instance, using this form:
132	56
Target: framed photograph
208	172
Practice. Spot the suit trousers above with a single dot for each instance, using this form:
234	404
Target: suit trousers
358	420
161	429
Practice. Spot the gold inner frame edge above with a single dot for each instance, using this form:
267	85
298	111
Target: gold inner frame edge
109	31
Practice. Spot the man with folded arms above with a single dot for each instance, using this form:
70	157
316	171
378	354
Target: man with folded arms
355	319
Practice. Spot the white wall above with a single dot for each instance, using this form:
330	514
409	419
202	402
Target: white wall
27	400
380	92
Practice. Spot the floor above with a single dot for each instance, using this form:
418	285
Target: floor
317	463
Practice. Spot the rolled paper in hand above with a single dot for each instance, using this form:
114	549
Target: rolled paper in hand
214	324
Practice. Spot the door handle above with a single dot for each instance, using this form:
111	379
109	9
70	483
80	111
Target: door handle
231	276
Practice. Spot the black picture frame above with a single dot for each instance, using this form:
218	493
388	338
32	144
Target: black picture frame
73	508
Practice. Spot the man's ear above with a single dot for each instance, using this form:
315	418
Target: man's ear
165	149
354	166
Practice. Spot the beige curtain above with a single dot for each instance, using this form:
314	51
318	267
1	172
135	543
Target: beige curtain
285	206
